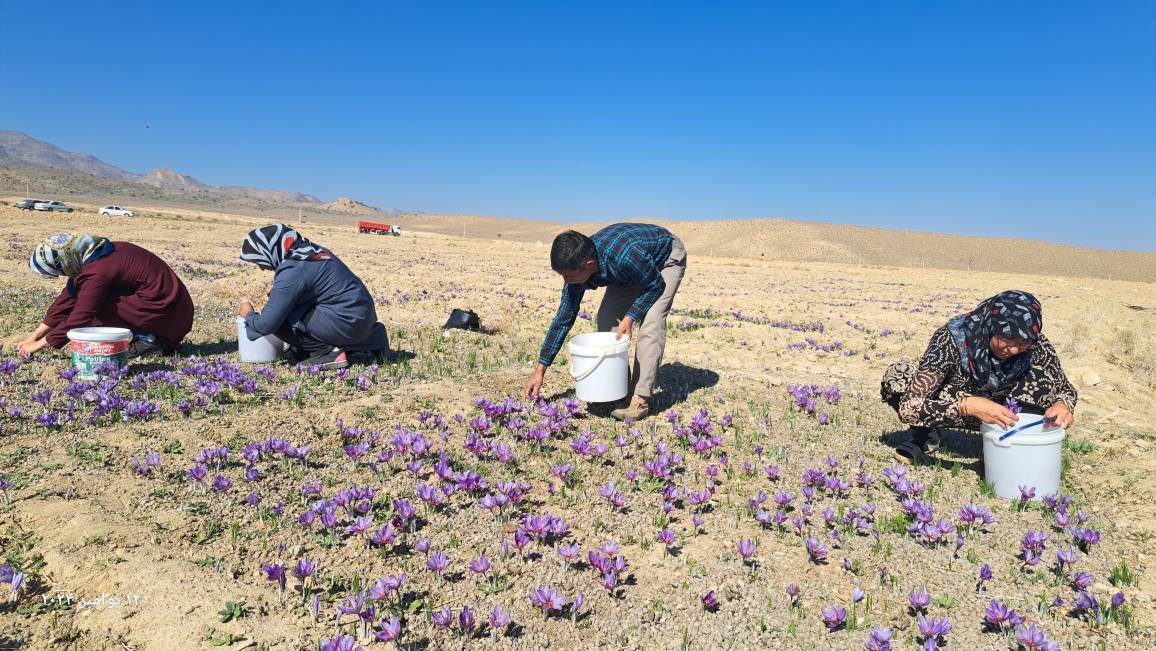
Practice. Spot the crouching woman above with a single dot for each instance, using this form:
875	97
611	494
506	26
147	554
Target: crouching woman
973	367
112	284
317	305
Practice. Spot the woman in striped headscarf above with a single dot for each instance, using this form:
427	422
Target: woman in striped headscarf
317	305
114	284
977	368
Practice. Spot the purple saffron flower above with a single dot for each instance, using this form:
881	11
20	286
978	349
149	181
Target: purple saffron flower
442	618
998	616
1082	580
390	631
437	563
919	600
746	548
499	620
466	621
1117	600
709	600
548	599
480	565
931	628
1032	638
275	572
815	549
878	640
857	594
833	616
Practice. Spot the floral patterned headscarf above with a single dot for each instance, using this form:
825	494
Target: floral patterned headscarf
1012	313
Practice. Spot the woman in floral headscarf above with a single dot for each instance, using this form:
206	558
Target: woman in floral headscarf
115	284
978	368
317	305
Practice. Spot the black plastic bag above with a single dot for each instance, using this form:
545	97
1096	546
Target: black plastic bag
463	320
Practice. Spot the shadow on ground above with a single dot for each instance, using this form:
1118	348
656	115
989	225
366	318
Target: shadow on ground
959	443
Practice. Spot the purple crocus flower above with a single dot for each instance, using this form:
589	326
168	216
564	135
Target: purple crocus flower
878	640
340	642
275	572
1117	600
1082	580
1032	639
437	563
442	618
833	616
390	630
709	600
747	548
548	599
304	569
1000	617
919	600
931	628
466	621
499	620
793	592
480	565
815	549
857	594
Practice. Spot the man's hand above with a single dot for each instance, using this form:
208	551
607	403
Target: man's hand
1058	415
27	348
987	411
624	327
246	308
534	382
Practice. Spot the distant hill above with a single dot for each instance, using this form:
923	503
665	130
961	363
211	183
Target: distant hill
19	151
351	207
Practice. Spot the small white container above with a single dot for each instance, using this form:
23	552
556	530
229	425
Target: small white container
262	349
1028	457
599	366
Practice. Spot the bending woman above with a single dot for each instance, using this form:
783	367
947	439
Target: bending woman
317	305
973	365
114	284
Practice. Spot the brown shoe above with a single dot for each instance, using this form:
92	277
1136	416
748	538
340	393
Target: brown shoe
635	411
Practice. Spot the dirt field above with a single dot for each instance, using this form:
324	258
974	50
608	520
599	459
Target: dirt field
89	529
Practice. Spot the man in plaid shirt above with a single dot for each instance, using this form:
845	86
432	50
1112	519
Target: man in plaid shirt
641	267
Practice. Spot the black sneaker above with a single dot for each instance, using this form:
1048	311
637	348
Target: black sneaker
334	359
143	348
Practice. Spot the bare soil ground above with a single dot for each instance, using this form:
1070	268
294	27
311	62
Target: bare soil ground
84	524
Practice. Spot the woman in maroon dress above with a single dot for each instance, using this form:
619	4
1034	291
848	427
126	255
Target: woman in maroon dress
115	284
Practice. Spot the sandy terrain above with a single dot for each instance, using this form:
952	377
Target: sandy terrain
85	524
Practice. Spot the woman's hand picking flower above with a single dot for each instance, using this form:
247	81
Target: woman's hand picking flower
987	411
1058	415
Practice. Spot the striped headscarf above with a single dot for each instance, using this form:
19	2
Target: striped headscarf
1012	313
273	244
67	253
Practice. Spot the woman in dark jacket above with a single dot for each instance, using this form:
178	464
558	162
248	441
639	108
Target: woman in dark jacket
317	305
114	284
973	367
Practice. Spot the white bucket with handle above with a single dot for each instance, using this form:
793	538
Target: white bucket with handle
262	349
1025	454
599	366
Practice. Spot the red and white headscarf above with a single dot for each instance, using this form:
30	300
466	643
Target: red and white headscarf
271	245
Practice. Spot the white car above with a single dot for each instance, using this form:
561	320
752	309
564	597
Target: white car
115	211
52	206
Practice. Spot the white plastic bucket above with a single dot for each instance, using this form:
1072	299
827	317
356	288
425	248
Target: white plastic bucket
599	366
94	347
262	349
1028	457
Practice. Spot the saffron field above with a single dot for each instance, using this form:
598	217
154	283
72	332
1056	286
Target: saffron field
199	502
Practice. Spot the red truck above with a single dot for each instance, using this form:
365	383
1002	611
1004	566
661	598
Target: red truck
380	229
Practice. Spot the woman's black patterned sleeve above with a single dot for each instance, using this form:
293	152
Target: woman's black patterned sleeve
1048	362
926	403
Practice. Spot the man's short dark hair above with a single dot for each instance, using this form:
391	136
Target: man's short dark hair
570	251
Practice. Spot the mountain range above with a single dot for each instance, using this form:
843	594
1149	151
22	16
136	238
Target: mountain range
50	166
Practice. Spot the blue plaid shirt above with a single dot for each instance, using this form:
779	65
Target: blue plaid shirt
629	255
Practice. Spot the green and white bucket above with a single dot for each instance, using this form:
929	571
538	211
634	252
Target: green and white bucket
93	347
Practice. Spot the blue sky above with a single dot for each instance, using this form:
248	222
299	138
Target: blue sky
1028	119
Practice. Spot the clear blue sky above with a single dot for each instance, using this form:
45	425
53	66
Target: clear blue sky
1027	118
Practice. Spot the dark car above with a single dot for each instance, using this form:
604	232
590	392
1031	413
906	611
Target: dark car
27	204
